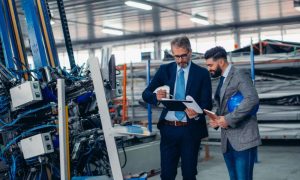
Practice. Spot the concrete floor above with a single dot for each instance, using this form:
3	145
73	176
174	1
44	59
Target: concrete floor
275	163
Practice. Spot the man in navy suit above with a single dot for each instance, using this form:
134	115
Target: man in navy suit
181	131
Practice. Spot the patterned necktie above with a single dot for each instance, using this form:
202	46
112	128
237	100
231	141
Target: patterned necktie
180	92
217	95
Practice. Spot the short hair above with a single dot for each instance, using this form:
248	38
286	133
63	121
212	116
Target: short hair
216	53
182	42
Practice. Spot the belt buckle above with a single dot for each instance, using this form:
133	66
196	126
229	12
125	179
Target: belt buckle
175	123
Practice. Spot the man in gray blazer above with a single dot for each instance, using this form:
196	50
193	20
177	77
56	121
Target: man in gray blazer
239	129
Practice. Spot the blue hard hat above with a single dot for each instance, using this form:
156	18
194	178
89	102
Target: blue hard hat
235	100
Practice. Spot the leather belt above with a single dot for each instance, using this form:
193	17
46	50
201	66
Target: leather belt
175	123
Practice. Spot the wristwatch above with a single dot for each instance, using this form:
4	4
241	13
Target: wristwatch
196	118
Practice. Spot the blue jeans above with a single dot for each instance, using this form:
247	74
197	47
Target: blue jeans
240	163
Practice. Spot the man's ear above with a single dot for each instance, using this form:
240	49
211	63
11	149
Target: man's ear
222	62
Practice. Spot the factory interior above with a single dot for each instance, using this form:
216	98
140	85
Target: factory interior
72	75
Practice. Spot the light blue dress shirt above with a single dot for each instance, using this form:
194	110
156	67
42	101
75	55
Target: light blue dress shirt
171	114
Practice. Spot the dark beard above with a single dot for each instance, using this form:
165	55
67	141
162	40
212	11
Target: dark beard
217	73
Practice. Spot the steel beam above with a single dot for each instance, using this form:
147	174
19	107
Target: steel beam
108	130
5	34
212	28
35	34
63	145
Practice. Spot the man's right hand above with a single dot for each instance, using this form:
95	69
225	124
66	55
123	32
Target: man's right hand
161	94
213	123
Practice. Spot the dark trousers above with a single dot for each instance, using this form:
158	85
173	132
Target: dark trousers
240	163
176	143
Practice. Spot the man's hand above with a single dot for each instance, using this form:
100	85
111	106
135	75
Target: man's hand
191	113
161	94
213	123
222	122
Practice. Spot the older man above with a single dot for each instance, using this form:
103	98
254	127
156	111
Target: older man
181	131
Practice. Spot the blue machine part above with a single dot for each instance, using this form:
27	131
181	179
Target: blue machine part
252	63
135	129
91	178
48	95
149	106
35	34
5	32
84	97
236	100
55	141
50	33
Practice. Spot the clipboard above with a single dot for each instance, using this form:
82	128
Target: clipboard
175	104
210	114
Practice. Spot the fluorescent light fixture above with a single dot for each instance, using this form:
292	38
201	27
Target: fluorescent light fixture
297	5
138	5
112	31
199	19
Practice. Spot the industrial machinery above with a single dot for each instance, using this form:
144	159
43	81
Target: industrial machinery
30	111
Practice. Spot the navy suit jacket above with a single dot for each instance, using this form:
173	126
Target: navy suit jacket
198	86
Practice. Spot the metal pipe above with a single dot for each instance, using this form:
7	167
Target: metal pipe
63	144
124	101
252	63
149	106
105	119
132	92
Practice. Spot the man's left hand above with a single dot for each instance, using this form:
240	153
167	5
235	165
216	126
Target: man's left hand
191	113
222	122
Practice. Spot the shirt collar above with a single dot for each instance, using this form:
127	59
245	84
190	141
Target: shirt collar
186	69
226	72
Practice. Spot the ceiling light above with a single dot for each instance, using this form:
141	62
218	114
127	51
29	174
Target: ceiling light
297	5
199	19
112	31
138	5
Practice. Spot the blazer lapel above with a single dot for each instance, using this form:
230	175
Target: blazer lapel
225	84
173	73
190	78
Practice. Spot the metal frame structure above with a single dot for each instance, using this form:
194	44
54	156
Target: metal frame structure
7	35
65	28
40	33
63	135
11	38
108	130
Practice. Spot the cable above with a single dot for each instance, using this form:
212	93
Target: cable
125	156
41	173
29	176
55	170
27	70
13	167
22	115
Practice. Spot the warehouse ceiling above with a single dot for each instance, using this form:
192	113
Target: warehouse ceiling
87	18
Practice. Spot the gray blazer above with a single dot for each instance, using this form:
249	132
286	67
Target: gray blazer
242	132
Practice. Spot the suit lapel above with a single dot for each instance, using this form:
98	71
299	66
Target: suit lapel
190	78
173	72
225	84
